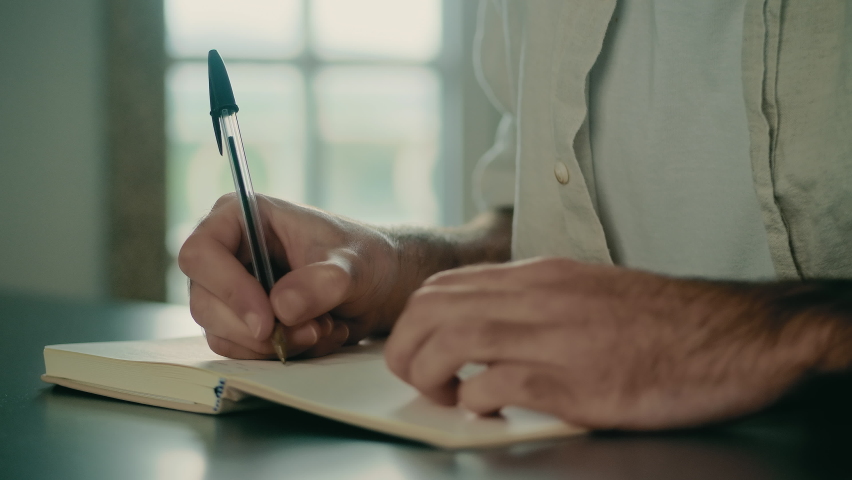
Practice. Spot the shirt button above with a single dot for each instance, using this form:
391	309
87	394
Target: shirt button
561	172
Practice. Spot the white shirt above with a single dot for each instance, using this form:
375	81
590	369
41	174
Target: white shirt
670	141
534	59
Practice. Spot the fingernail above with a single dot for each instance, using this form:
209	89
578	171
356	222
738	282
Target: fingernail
255	324
290	306
305	335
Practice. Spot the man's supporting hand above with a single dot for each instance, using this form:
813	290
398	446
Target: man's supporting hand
608	347
340	280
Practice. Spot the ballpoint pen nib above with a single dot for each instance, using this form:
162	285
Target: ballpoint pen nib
279	342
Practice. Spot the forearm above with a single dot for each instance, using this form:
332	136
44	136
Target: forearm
612	347
773	333
426	251
423	251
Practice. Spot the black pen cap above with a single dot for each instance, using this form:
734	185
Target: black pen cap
221	93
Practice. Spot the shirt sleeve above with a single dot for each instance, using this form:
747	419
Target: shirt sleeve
494	175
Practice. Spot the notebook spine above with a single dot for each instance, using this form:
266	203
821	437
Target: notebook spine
219	390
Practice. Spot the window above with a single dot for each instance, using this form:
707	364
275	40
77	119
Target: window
343	104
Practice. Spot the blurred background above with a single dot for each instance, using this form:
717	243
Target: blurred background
366	108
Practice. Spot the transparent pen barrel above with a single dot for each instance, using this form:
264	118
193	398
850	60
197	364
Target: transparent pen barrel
233	143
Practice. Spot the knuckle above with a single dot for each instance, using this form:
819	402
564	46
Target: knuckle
337	276
190	255
429	295
262	199
441	278
224	201
273	206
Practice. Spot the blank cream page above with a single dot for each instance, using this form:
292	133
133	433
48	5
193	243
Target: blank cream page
355	386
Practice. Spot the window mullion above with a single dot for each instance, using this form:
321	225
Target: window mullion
309	64
451	164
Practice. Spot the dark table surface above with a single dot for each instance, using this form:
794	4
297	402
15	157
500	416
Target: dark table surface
53	432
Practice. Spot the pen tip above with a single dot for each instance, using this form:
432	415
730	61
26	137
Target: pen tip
279	342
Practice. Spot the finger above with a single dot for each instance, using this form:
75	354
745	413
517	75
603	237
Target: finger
218	319
227	214
522	384
220	221
430	308
208	259
534	271
312	290
306	335
229	349
331	342
434	366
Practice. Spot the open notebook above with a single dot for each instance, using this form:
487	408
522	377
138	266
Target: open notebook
352	386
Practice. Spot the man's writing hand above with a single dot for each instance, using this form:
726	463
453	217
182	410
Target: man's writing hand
341	282
599	346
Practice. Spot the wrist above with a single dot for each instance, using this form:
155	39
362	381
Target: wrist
413	256
425	252
418	253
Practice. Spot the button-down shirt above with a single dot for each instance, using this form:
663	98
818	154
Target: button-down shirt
670	146
534	59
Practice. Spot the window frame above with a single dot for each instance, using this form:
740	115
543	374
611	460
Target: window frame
137	260
446	65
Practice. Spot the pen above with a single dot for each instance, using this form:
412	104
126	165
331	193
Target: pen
223	110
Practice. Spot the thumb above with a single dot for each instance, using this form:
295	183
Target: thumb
311	291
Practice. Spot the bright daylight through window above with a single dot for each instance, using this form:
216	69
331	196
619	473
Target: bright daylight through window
340	107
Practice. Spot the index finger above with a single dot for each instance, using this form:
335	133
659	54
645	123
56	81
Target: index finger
208	257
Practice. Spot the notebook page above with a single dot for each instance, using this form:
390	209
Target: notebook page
353	385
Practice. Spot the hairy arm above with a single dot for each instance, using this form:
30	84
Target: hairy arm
423	252
611	347
343	280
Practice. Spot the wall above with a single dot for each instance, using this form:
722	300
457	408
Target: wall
52	144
